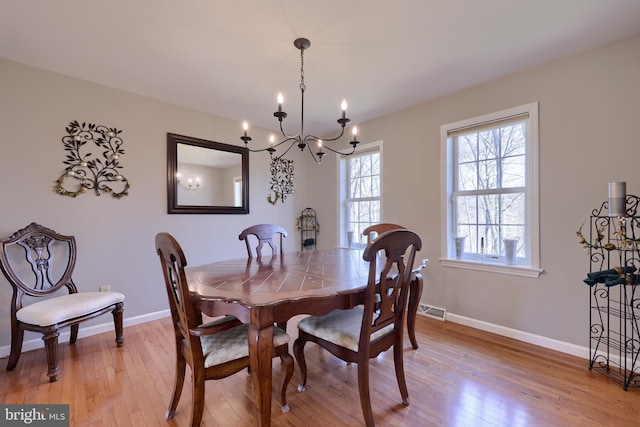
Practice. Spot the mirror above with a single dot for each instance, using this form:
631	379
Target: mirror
206	177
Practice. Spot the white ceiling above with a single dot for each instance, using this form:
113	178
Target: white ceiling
230	58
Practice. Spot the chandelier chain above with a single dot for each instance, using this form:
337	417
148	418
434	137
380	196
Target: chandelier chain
303	87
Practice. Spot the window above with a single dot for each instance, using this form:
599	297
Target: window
491	191
360	193
237	191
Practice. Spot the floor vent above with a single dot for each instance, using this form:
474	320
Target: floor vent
433	312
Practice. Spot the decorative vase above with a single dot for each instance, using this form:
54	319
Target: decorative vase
510	247
459	246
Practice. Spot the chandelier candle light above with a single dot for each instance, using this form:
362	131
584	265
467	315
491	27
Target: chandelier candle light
190	185
303	141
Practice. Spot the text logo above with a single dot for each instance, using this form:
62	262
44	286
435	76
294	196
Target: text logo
34	415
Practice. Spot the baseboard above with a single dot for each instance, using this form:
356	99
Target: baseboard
549	343
88	331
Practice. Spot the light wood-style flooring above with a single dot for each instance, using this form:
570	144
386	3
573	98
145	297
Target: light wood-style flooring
459	376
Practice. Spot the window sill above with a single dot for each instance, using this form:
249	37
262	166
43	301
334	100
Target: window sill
514	270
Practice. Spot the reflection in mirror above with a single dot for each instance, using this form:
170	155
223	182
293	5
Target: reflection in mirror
206	176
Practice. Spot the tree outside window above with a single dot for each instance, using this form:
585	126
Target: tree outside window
491	189
362	195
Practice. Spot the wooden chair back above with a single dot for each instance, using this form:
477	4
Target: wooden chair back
38	247
388	287
375	230
183	314
264	233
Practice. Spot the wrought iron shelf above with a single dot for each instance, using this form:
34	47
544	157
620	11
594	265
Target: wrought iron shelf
618	376
614	311
614	283
309	228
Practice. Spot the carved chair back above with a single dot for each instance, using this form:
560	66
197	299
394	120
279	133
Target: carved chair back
388	287
375	230
184	315
38	262
265	234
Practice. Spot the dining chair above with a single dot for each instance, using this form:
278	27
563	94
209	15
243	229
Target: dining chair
415	291
213	350
264	233
372	231
363	332
38	262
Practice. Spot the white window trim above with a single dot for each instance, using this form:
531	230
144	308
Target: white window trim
341	191
532	179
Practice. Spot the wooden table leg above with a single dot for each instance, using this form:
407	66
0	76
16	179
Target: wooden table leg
415	292
260	349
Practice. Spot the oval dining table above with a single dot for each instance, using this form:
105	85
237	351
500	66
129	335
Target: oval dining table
272	289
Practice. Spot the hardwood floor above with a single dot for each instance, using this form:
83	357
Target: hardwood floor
458	377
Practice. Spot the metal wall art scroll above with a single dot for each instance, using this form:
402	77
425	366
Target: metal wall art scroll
281	180
85	170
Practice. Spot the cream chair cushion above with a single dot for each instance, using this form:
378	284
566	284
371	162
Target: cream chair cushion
341	327
232	344
59	309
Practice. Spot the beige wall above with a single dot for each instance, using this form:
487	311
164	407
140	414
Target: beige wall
589	104
115	237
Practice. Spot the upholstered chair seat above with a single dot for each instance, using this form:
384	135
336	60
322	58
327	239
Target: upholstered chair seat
63	308
341	327
231	344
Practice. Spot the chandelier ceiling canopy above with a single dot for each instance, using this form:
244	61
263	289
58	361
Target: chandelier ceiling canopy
315	145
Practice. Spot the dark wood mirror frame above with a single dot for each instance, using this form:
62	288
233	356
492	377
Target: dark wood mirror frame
172	182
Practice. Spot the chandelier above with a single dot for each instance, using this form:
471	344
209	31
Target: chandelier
301	140
190	185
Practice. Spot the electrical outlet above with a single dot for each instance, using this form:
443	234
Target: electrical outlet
105	288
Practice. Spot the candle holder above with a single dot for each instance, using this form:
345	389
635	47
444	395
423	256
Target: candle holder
617	199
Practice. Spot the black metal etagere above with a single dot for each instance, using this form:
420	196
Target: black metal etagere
309	228
614	281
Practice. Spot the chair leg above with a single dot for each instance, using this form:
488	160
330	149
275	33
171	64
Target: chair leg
198	396
177	386
287	364
50	339
117	320
398	359
415	293
74	333
298	352
17	335
363	388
